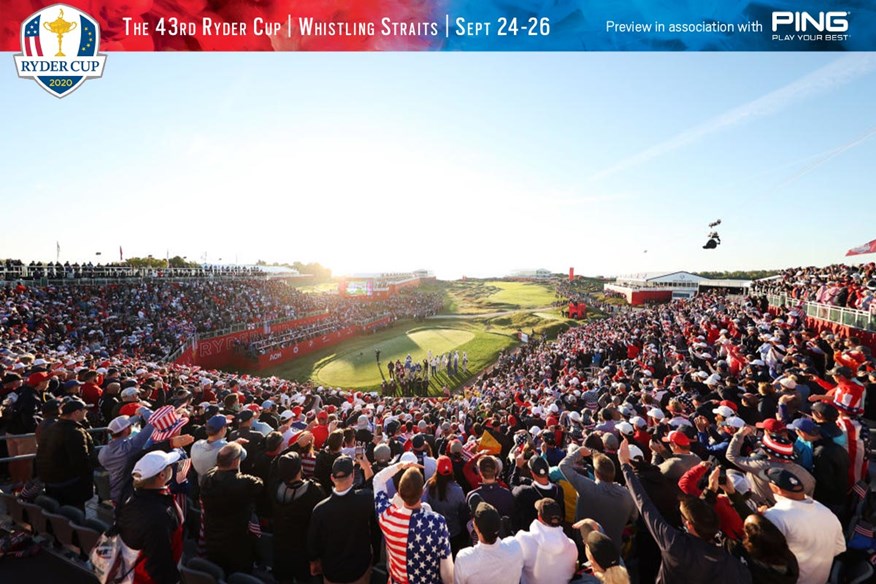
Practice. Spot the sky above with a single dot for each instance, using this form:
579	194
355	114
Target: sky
470	164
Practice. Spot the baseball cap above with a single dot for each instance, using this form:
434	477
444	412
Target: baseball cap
71	384
118	424
624	428
418	442
52	406
445	467
286	415
638	421
549	511
216	423
723	411
806	426
656	413
245	416
288	466
153	463
267	404
342	467
771	425
603	550
784	479
539	466
130	392
36	378
734	422
487	519
636	453
678	438
72	405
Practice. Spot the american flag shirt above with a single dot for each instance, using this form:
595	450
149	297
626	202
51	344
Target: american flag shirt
416	540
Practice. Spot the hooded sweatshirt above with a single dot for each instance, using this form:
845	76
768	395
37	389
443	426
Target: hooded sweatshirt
549	556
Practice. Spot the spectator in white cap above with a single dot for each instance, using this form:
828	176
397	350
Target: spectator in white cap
150	521
116	456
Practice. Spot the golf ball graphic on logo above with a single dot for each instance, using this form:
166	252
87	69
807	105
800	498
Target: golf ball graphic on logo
59	47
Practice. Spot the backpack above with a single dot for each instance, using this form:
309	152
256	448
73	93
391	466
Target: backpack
112	561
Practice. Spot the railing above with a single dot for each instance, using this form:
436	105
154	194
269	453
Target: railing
32	456
252	326
850	317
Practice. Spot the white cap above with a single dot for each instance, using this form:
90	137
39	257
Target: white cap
267	404
153	463
286	415
118	424
408	457
636	452
701	375
788	383
638	421
40	362
534	430
724	411
624	428
554	409
656	413
130	392
735	422
713	378
575	416
140	371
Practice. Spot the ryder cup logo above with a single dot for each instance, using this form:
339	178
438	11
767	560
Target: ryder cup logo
59	49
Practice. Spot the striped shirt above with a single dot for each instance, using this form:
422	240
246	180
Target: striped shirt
416	540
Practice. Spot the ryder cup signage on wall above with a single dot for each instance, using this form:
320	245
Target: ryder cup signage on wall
59	49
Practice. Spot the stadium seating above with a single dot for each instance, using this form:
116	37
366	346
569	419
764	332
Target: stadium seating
201	571
13	508
88	534
239	578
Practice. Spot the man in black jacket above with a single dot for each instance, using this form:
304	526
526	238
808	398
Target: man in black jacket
24	420
66	457
151	522
293	502
689	556
830	466
228	497
530	491
343	529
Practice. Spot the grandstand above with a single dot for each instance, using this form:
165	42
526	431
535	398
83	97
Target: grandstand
140	343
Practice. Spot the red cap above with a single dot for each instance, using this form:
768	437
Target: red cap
773	426
37	378
445	467
296	410
678	438
729	404
322	415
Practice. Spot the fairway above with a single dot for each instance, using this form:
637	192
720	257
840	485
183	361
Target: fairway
352	365
485	296
358	368
484	320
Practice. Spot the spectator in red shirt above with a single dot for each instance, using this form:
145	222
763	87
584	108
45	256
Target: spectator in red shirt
91	390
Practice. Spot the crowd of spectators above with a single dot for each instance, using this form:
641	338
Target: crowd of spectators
149	319
701	441
837	285
343	313
13	270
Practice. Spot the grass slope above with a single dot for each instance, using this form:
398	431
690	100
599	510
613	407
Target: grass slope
485	296
352	364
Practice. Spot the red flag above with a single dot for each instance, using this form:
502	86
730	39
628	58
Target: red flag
869	247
